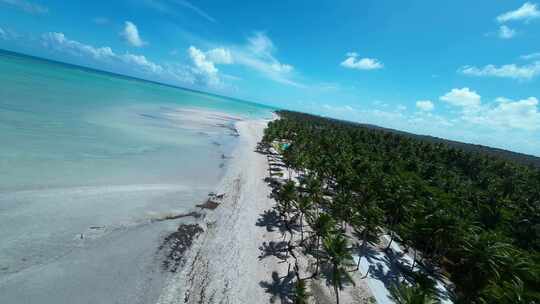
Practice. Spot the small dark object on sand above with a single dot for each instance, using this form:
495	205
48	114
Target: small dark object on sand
216	196
209	204
220	196
177	216
177	243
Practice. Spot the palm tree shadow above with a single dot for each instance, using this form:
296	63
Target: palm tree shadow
273	182
277	249
370	253
279	288
272	221
326	274
392	273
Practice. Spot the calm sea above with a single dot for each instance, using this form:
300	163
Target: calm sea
87	160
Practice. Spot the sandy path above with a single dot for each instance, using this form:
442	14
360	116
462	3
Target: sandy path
223	265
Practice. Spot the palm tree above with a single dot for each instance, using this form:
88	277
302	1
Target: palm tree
415	294
303	205
483	257
513	291
301	295
322	226
285	197
338	256
366	223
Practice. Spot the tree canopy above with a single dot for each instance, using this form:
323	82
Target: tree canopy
473	215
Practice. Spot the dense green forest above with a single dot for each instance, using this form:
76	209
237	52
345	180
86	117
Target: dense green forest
473	217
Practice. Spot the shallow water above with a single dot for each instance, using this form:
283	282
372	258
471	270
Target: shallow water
87	160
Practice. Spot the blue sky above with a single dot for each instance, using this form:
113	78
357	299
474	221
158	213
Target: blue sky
462	70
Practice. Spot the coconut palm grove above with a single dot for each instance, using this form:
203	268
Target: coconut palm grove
466	216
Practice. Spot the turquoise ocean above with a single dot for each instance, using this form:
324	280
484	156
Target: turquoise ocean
88	160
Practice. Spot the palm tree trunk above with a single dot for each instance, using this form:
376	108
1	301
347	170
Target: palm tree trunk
336	290
414	260
301	228
317	257
362	249
390	243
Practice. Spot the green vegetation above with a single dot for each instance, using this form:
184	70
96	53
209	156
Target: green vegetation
472	216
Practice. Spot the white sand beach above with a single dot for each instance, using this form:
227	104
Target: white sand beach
223	265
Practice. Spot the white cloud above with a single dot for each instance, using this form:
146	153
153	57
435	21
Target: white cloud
353	62
464	97
508	114
505	32
60	42
528	11
531	56
522	114
425	105
141	61
220	56
3	34
203	66
131	34
27	6
260	44
258	54
171	73
513	71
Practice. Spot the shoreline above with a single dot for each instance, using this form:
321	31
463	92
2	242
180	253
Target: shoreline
236	256
223	264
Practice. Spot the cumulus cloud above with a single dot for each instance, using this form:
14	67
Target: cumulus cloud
172	73
142	62
353	62
504	113
257	54
60	42
464	97
131	35
521	114
220	56
506	33
528	11
425	105
203	66
27	6
513	71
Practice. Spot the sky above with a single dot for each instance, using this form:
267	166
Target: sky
463	70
